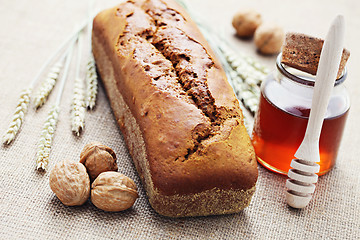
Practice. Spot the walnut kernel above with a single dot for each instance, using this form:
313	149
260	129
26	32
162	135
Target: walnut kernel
98	158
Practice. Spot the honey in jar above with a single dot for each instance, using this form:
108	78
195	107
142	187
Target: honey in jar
282	117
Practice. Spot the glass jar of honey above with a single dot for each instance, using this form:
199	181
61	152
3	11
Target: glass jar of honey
282	117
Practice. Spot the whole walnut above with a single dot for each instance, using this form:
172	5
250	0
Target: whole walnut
245	22
98	158
113	191
269	38
70	182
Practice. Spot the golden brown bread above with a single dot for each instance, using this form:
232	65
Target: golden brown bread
303	52
179	116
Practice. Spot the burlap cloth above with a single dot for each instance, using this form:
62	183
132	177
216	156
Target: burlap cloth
31	30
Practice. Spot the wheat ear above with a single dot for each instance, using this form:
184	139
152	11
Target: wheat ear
46	138
91	83
246	76
48	84
78	107
78	104
18	116
47	134
91	75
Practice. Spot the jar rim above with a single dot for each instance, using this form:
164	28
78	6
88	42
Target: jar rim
303	80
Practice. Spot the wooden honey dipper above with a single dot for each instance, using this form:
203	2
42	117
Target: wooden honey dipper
303	177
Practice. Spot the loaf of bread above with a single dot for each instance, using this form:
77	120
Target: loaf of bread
178	114
302	52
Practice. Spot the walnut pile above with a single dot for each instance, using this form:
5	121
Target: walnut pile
268	37
111	190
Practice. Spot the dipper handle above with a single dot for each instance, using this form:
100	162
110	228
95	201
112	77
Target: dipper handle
303	176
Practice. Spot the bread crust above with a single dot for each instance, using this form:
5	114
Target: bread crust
185	135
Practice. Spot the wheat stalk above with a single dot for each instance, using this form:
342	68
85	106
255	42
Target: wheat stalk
46	138
24	101
18	117
91	75
48	84
78	104
91	83
49	127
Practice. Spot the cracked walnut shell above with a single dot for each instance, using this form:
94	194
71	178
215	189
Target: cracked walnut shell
98	158
70	183
113	191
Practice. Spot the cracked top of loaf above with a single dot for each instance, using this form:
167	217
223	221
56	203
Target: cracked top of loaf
179	95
